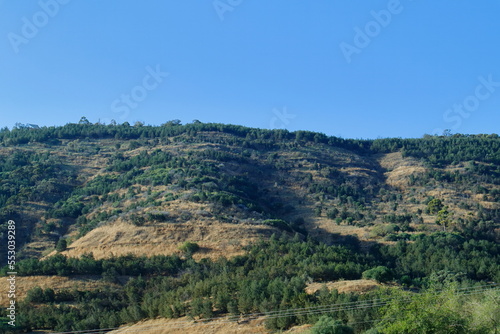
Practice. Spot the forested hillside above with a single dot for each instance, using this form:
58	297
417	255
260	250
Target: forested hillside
212	220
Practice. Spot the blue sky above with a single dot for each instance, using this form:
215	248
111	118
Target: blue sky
346	68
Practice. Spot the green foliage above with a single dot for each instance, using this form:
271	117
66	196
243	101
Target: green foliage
332	213
279	223
189	247
440	150
158	216
87	265
379	273
61	245
270	277
39	295
383	230
372	331
485	312
446	311
226	169
443	218
434	206
479	259
327	325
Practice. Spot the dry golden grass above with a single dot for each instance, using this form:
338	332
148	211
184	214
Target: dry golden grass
57	283
220	238
185	325
320	225
215	238
356	286
399	168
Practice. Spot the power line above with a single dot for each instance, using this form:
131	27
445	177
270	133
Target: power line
378	302
284	313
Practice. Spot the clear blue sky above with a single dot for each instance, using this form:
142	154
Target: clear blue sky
343	68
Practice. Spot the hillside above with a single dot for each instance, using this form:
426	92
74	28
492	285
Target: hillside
207	194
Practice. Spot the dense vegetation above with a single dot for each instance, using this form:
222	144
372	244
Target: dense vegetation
271	277
435	149
235	171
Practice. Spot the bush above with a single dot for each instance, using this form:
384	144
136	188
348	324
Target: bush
38	295
372	331
383	230
61	245
189	247
332	213
434	206
278	223
327	325
35	295
380	274
137	220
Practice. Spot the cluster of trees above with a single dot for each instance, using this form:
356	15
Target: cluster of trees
444	311
447	310
31	176
88	265
478	259
434	149
28	175
443	150
270	277
250	137
97	309
273	274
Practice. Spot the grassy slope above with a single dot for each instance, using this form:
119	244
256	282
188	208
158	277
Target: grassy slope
283	177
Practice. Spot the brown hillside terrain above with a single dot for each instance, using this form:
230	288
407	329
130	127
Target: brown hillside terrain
121	238
398	169
57	283
228	232
225	231
185	325
156	193
349	286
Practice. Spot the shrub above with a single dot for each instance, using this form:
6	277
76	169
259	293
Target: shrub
62	245
380	274
278	223
35	295
327	325
189	247
137	220
434	206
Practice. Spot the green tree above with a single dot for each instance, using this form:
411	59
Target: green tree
110	275
486	312
427	312
434	206
380	274
443	218
35	295
328	325
84	121
49	295
61	245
